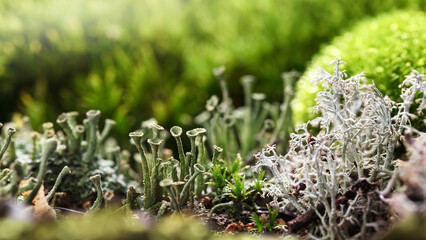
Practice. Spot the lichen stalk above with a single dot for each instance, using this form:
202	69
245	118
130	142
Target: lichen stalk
186	188
154	143
66	170
246	134
202	160
284	123
47	126
4	175
49	148
79	132
96	180
221	205
93	116
63	121
156	177
167	184
137	140
72	118
6	142
216	152
176	133
34	138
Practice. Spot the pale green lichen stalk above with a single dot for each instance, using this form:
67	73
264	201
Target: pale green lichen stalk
176	132
49	148
15	176
167	184
93	120
72	142
198	169
66	170
6	142
96	180
146	172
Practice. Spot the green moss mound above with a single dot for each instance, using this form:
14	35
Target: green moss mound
386	49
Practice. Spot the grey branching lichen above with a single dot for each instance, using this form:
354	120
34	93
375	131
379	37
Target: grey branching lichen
333	177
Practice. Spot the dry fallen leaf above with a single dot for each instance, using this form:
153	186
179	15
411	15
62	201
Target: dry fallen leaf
42	210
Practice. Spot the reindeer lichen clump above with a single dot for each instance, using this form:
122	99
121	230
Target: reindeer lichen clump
334	176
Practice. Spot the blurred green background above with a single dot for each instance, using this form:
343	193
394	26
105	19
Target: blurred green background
138	59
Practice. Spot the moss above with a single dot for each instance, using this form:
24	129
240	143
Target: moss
174	227
409	228
385	48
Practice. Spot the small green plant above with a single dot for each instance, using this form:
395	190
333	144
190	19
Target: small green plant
259	223
238	193
222	172
269	223
258	182
273	214
219	177
229	188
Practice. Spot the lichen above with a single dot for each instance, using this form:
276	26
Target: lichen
334	176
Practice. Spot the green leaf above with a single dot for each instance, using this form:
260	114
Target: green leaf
257	222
